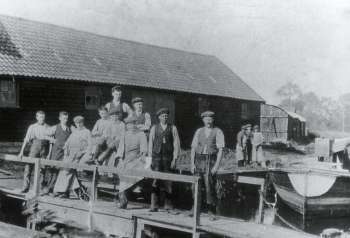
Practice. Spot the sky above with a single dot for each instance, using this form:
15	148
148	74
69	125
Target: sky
265	42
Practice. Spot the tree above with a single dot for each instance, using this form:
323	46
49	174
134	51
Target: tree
321	113
290	92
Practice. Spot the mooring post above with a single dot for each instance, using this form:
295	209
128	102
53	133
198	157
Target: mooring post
261	203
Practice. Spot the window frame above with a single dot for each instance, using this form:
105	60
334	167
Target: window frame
14	89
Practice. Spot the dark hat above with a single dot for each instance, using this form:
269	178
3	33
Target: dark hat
163	111
116	88
207	114
114	111
78	119
130	119
137	99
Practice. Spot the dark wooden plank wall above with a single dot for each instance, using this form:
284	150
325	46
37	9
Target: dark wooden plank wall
53	96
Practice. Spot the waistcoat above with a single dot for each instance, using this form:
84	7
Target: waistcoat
209	142
163	139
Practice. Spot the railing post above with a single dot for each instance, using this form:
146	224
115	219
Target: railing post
36	184
196	208
93	197
36	188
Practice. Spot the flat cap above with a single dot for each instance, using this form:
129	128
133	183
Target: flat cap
78	119
114	111
256	127
207	114
246	126
163	111
136	99
116	88
130	120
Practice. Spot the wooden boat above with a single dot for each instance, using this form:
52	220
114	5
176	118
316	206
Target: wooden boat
314	187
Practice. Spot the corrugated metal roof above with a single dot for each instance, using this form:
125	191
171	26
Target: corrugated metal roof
30	48
296	116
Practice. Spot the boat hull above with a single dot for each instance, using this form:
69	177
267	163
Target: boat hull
334	200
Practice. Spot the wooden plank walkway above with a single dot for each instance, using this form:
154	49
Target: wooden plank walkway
105	216
8	230
178	220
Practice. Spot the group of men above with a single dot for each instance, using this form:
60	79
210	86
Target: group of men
123	137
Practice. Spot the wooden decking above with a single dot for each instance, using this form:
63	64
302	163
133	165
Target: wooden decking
130	222
102	215
8	230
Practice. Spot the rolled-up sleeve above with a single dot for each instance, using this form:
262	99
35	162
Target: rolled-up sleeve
151	139
220	139
177	146
195	139
29	134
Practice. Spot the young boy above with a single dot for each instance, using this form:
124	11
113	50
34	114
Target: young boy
164	147
117	104
114	134
60	132
100	132
37	137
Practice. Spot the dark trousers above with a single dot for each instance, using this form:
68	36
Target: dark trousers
161	162
248	153
204	164
38	149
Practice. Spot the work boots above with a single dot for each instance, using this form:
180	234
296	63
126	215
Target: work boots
154	202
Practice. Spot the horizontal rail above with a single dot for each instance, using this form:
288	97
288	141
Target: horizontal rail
325	172
103	169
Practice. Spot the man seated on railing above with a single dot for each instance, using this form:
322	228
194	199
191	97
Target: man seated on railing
134	147
164	148
38	139
77	146
99	132
115	132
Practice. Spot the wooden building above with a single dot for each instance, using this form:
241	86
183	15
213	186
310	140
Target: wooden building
278	124
53	68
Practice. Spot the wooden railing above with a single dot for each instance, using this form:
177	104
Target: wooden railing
38	163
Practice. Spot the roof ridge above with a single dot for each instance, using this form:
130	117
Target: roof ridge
105	36
221	62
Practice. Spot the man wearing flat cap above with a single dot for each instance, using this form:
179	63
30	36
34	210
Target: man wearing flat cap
206	153
116	103
164	148
76	147
143	119
247	144
239	146
134	148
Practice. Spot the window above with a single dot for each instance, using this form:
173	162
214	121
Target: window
8	93
92	98
244	110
